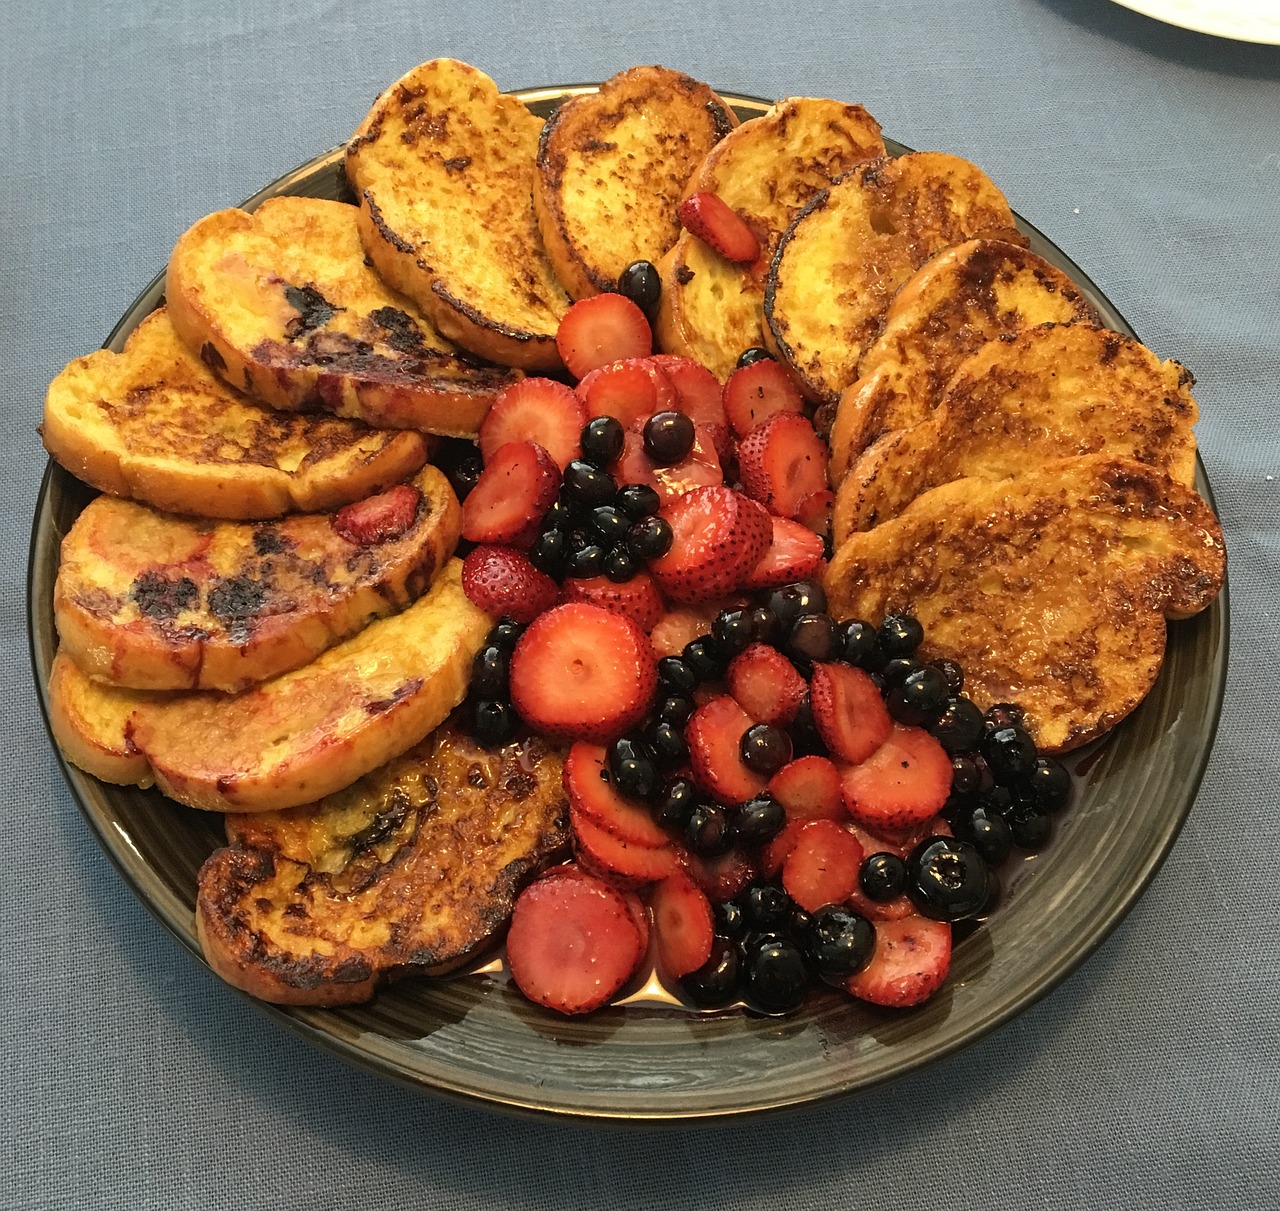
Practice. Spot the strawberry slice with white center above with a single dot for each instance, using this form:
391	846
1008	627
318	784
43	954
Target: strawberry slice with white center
591	792
630	391
902	784
773	855
680	626
723	876
765	684
682	926
783	461
909	964
714	736
712	220
698	391
718	536
796	553
602	329
754	393
699	468
378	518
572	943
582	672
809	789
848	711
515	489
822	867
502	581
637	598
540	410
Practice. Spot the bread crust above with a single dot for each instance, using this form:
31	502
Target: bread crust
90	721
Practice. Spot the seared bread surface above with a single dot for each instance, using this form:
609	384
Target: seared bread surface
411	870
443	168
154	424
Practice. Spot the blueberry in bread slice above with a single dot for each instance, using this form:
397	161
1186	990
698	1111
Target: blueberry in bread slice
953	304
153	424
766	170
296	737
412	870
1049	392
155	601
855	243
282	304
1050	590
443	168
612	168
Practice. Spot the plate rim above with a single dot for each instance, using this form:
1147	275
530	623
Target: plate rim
302	1021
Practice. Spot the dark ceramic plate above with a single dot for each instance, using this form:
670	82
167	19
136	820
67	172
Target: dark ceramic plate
473	1037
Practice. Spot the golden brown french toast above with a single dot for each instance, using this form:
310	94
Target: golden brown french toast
306	733
854	244
612	168
766	170
954	303
410	871
443	168
1050	590
1049	392
282	304
153	424
155	601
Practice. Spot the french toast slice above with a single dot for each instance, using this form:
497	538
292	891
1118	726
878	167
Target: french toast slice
154	424
306	733
854	244
412	870
154	601
283	304
612	168
1049	392
954	303
443	167
767	170
1050	590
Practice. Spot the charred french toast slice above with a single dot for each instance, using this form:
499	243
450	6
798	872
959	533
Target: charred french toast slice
283	304
412	870
612	168
1050	590
766	170
1050	392
854	244
153	424
954	303
150	600
443	168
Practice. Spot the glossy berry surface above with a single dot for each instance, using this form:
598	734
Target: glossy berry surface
649	538
814	638
757	353
758	820
765	749
920	697
860	644
1010	754
673	807
987	830
766	907
900	635
959	726
715	983
638	500
776	979
1049	784
792	600
495	722
586	484
642	284
602	441
838	941
668	438
882	876
707	831
948	879
633	770
1029	826
489	671
733	630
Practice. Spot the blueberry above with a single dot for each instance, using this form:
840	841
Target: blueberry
966	777
667	438
953	673
602	441
666	741
948	879
792	600
463	475
882	877
638	500
776	977
489	670
674	709
707	830
733	630
897	669
1029	825
758	820
1049	785
588	485
559	516
766	907
678	674
959	728
764	749
704	658
838	941
586	561
900	635
715	983
642	284
764	625
1005	714
505	634
729	919
550	552
495	722
813	638
649	538
620	565
757	353
920	698
860	645
673	807
633	770
986	830
610	523
1011	755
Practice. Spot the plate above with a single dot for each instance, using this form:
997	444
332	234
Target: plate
1240	20
476	1039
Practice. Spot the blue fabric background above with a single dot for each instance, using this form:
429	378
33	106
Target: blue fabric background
1149	1079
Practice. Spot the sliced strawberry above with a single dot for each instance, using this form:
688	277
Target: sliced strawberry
602	329
502	581
822	867
896	840
909	964
680	626
718	225
515	489
848	711
538	410
591	792
599	850
754	393
582	672
773	855
682	926
794	554
880	910
814	511
718	536
700	468
637	598
783	461
903	783
378	518
698	391
765	684
714	735
630	391
809	789
572	943
725	875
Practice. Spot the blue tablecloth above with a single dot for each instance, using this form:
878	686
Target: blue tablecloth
1150	1078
